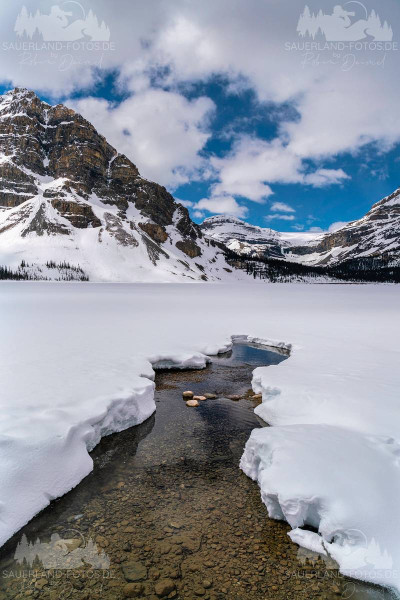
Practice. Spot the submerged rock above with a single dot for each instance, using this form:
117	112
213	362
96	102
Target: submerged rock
41	583
199	398
133	590
188	394
134	571
210	396
192	403
234	397
164	587
174	525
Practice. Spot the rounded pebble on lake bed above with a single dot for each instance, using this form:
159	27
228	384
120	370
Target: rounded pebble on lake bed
234	397
133	590
164	587
199	398
192	403
134	571
210	396
188	394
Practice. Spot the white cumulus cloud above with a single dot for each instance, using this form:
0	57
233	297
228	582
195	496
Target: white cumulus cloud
223	204
279	217
283	207
336	226
324	177
162	132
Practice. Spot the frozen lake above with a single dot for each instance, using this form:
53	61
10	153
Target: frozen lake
76	365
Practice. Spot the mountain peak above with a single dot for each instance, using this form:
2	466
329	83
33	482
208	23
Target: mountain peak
20	94
21	101
242	237
21	91
222	219
69	197
392	199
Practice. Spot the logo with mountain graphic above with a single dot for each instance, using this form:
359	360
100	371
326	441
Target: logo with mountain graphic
61	25
344	25
61	553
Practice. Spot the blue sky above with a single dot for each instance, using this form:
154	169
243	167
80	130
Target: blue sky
211	105
372	175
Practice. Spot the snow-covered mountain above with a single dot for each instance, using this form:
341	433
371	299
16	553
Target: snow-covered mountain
72	207
251	240
376	235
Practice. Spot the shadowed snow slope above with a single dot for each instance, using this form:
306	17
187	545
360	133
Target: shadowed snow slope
331	458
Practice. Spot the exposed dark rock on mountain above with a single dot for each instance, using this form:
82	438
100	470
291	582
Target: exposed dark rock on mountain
68	195
376	234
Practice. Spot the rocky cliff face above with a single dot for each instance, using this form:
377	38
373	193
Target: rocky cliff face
67	195
377	234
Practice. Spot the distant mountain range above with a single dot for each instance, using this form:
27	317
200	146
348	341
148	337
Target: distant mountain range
73	208
374	237
251	240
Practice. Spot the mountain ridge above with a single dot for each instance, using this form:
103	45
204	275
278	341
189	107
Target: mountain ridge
69	197
73	208
252	240
376	234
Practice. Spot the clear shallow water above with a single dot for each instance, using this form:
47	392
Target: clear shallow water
166	502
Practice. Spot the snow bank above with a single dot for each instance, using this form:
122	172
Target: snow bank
340	482
76	364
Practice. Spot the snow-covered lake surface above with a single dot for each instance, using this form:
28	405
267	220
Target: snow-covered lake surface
76	364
